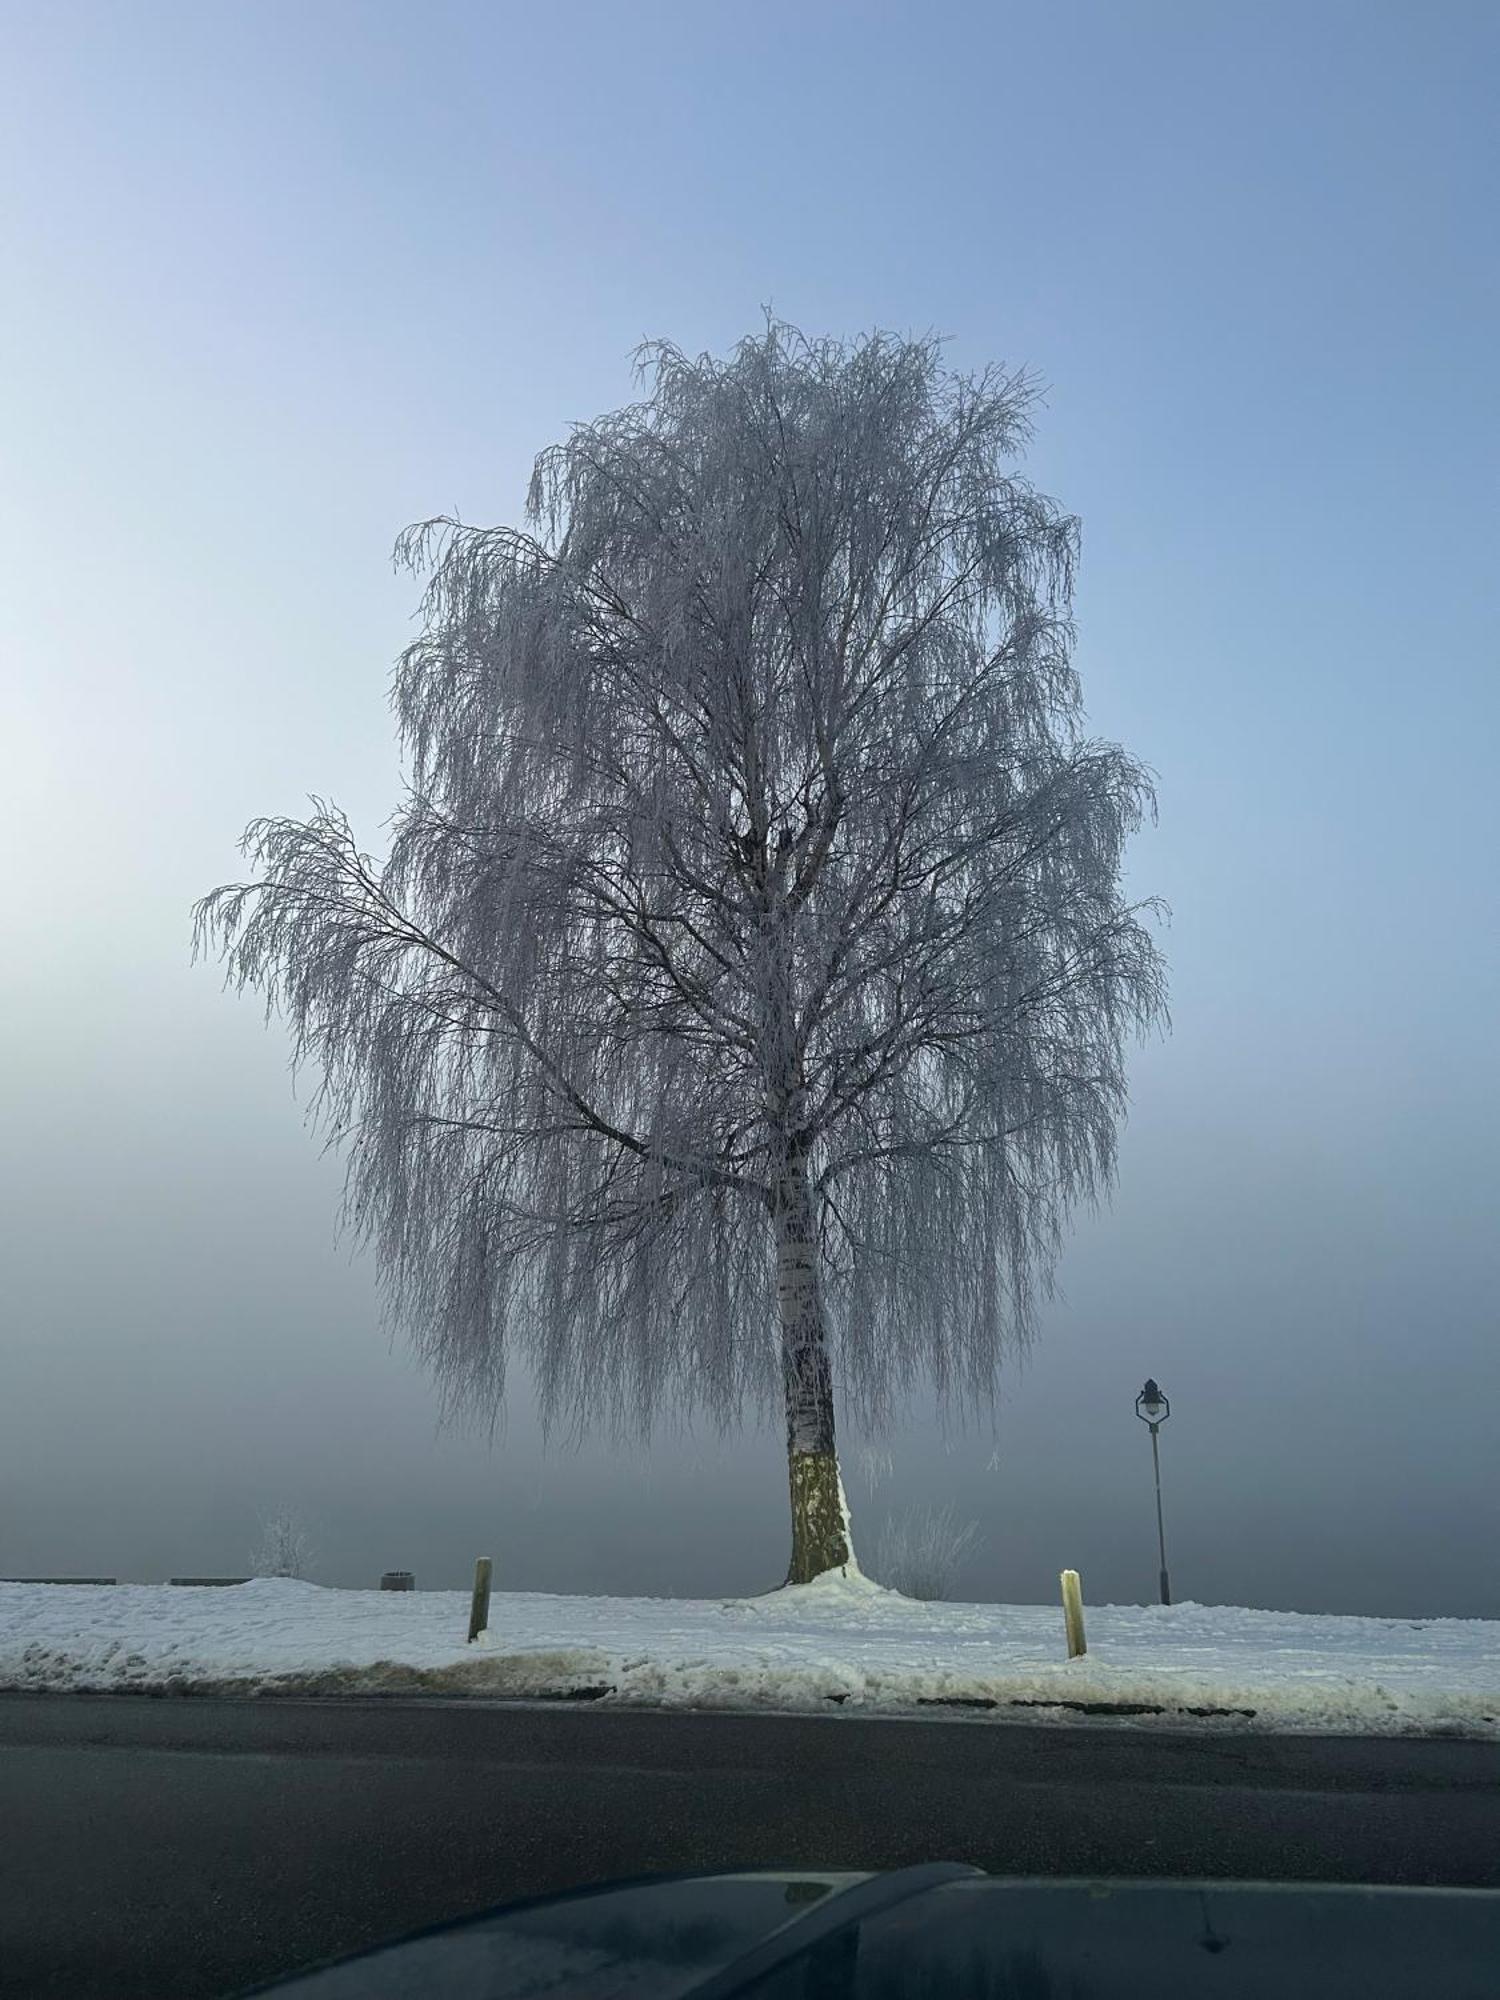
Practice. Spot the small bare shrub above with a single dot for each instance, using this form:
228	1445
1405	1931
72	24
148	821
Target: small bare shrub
920	1551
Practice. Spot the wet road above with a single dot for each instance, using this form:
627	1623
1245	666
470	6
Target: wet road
183	1848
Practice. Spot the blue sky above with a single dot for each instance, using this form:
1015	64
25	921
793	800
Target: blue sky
280	279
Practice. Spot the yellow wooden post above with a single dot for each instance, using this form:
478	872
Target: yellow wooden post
479	1608
1072	1597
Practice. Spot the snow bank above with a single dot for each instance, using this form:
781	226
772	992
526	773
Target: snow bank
838	1644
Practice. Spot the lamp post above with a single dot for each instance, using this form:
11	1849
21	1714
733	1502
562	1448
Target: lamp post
1152	1407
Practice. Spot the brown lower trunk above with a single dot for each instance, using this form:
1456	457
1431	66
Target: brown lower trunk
820	1540
820	1535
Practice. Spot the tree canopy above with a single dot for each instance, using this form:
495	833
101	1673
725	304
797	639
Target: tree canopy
742	1002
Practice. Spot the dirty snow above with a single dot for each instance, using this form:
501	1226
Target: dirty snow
834	1645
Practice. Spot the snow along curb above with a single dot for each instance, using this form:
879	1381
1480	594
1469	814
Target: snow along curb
841	1645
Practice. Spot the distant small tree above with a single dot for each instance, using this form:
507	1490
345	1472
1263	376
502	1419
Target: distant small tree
742	1002
921	1550
285	1547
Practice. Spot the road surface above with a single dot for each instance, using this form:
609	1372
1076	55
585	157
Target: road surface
186	1847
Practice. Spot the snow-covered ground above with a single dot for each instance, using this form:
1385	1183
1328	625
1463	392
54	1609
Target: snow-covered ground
832	1644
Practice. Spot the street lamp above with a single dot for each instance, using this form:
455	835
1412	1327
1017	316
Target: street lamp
1152	1407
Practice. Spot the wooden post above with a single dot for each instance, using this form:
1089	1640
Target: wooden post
1072	1597
479	1607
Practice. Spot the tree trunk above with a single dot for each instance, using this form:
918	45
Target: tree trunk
820	1536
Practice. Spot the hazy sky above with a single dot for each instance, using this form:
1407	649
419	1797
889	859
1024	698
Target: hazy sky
279	278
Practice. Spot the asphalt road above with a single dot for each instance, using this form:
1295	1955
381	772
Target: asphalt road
187	1847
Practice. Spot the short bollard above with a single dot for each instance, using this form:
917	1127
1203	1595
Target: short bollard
1072	1597
479	1608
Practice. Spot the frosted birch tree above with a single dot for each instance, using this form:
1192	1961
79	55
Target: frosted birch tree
741	1005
